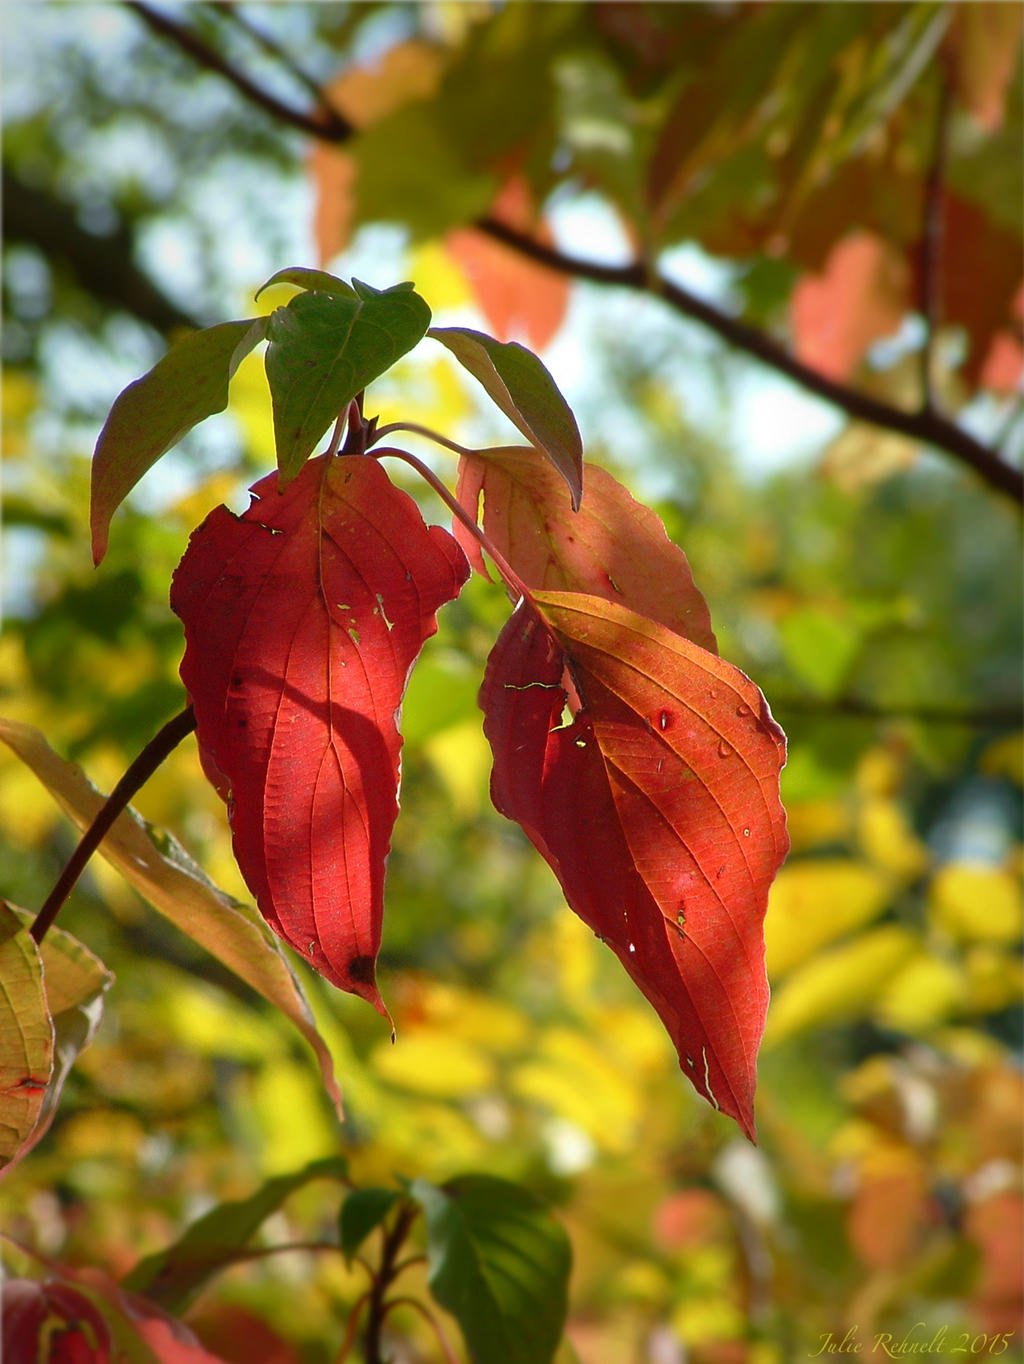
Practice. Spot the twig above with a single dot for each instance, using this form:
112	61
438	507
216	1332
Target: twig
926	426
270	46
139	772
446	1349
931	244
394	1239
324	122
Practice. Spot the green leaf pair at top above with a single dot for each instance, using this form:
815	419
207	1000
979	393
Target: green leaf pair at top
324	347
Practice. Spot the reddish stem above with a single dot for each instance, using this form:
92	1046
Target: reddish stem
508	573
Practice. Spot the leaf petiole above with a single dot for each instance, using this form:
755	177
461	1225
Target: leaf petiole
508	573
137	774
415	429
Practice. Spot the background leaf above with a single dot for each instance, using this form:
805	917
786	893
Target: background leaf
524	390
499	1262
361	1212
296	700
188	385
324	349
26	1037
173	1277
163	873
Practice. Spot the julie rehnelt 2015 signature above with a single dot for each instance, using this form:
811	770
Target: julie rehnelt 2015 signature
920	1339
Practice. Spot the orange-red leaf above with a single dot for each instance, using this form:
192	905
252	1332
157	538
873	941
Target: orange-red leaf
520	299
613	547
657	806
303	618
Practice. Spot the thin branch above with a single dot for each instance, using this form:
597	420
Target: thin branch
270	46
932	234
926	426
324	122
139	772
446	1349
415	429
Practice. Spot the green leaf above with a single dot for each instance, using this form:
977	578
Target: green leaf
499	1262
162	872
304	278
172	1277
524	390
362	1211
324	349
188	385
26	1037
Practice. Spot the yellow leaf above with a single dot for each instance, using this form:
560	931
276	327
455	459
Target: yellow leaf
879	772
434	1061
995	980
839	985
496	1026
249	404
924	992
814	902
814	822
1005	758
438	278
975	903
572	1077
462	758
887	839
282	1104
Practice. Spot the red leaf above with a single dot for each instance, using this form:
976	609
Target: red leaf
303	618
658	809
613	547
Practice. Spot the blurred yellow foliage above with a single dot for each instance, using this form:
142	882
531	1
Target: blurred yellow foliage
462	758
812	823
281	1107
888	841
475	1017
1005	758
879	771
995	979
437	276
435	1061
572	1077
923	992
813	902
840	985
249	405
975	903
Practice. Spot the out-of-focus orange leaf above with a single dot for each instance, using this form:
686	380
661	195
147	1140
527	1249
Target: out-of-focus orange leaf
520	299
689	1218
984	42
239	1336
363	94
985	302
996	1226
860	297
889	1214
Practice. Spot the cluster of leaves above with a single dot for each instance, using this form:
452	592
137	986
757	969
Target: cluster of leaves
611	718
874	605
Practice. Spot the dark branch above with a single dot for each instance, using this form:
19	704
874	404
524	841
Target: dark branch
324	123
926	426
102	265
136	775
